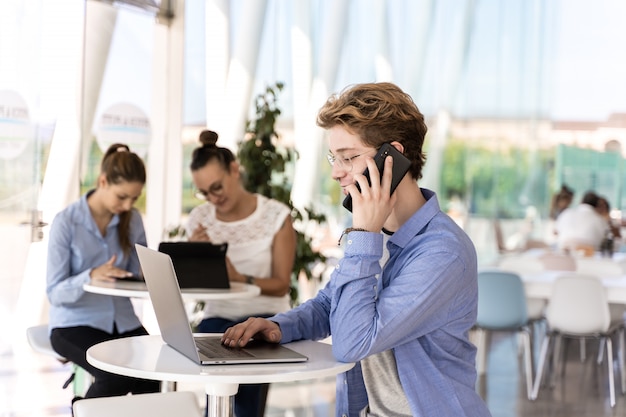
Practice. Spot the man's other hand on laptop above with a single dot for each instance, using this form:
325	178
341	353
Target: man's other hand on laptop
109	272
255	327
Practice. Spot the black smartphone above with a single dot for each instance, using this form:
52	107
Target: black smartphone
401	165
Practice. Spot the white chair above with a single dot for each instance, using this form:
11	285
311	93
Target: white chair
160	404
39	340
578	308
605	268
550	261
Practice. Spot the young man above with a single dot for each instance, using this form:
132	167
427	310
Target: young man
403	298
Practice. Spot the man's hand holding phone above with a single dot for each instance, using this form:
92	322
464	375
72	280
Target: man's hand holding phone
373	203
380	195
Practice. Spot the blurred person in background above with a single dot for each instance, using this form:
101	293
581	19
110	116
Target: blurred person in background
581	225
560	201
604	210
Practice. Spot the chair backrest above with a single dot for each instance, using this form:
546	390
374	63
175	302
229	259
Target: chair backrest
578	305
501	300
601	267
558	262
161	404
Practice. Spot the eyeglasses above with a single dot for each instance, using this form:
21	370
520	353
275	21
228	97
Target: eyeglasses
216	190
345	163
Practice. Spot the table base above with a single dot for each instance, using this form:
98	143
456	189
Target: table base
219	406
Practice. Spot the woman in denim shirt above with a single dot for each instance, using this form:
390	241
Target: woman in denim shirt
93	239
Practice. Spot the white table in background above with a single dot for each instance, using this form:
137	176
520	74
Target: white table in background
539	285
134	289
149	357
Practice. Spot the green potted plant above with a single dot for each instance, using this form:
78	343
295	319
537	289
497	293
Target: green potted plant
267	166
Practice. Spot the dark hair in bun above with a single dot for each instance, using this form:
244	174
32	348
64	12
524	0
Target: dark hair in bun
208	138
209	151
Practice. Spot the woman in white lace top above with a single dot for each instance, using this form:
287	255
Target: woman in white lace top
261	247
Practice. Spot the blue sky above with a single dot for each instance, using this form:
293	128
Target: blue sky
590	80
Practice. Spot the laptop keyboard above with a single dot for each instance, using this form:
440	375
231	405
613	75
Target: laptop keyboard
213	348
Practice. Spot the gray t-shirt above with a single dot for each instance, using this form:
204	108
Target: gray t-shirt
384	390
380	373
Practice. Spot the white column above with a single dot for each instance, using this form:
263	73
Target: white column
217	41
164	161
301	65
438	138
451	80
241	72
309	139
61	57
382	63
99	27
423	20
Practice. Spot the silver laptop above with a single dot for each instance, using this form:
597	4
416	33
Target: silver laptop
171	316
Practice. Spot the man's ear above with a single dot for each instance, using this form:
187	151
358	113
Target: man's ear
398	146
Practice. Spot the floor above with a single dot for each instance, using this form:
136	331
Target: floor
31	385
581	389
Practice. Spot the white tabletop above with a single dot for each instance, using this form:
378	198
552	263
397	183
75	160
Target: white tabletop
539	285
135	289
149	357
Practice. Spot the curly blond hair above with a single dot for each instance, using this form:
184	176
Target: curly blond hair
379	113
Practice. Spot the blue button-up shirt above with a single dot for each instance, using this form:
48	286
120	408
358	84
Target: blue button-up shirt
421	306
75	247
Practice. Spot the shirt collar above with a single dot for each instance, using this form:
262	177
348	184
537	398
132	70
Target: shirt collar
418	220
87	218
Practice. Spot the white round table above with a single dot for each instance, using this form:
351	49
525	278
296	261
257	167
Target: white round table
149	357
136	289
